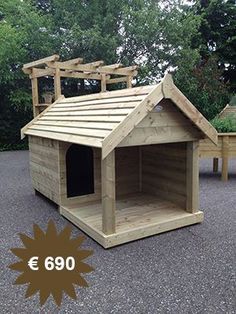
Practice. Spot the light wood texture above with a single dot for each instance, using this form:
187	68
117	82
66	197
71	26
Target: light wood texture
225	149
81	75
127	170
73	61
57	83
44	167
108	194
168	125
164	172
129	81
225	157
137	216
66	121
103	83
117	80
172	92
95	67
25	128
35	95
192	180
36	73
41	62
127	125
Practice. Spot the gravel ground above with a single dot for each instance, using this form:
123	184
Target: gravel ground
190	270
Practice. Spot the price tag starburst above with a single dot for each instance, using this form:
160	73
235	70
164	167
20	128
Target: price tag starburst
51	263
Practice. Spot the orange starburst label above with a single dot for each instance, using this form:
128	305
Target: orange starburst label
51	263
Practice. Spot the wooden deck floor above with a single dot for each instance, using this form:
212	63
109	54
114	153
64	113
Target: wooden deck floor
137	216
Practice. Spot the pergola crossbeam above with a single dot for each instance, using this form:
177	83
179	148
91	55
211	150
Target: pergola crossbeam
40	62
75	68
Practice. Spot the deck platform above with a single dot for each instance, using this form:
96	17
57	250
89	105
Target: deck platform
137	216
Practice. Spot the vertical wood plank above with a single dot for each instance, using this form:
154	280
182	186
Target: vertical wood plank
129	81
57	83
192	179
103	83
225	158
108	193
35	94
215	164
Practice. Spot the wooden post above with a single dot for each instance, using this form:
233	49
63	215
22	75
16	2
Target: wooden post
57	83
225	158
129	81
192	179
215	164
103	83
35	94
108	194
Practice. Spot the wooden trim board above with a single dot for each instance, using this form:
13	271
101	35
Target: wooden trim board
108	241
138	215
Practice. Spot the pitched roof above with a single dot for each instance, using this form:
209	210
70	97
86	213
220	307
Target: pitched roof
105	119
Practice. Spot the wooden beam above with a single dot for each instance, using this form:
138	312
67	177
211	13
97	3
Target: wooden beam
94	68
73	61
38	116
120	71
170	91
103	83
108	193
89	76
114	66
57	83
127	125
192	177
35	94
129	81
225	158
41	62
117	80
41	72
87	67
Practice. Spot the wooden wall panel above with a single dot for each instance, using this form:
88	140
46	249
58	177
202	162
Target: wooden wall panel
127	170
164	171
44	166
166	126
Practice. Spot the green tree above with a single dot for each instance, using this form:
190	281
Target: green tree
217	35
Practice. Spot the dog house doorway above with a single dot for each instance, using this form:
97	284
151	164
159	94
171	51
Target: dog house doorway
79	170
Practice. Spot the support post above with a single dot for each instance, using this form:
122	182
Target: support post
57	83
215	164
35	94
108	193
192	179
129	81
103	83
225	158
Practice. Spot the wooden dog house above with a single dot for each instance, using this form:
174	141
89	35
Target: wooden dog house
121	165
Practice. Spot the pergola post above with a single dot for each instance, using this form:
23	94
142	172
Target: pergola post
192	177
225	158
35	94
57	83
129	81
103	83
108	193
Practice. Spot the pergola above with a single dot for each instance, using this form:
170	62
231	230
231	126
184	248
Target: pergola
75	68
